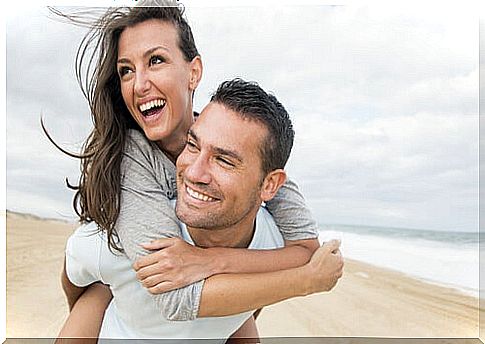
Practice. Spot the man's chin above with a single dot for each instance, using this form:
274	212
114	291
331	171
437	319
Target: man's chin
190	217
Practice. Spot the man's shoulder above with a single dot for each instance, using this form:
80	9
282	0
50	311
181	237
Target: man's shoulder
266	234
265	217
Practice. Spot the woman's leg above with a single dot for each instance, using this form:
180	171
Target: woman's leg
247	333
85	319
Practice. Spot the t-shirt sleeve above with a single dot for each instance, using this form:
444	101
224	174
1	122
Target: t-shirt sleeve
82	254
146	214
291	213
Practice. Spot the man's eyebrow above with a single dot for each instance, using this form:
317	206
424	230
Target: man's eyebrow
218	150
227	152
191	133
145	54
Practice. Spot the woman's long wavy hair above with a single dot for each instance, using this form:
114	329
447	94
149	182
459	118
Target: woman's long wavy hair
98	192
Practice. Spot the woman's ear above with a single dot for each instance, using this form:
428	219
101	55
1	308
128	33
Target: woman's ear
195	72
272	183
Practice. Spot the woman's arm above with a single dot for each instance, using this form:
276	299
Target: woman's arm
176	263
257	290
291	213
147	184
220	297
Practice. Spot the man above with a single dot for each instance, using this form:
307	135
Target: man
233	161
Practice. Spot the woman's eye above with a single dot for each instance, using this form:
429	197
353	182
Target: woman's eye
122	71
156	60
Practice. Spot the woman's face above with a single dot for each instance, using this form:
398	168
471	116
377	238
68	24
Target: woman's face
156	81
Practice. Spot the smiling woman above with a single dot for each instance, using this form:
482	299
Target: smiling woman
141	98
158	82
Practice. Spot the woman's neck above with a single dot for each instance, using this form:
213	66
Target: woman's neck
174	148
174	145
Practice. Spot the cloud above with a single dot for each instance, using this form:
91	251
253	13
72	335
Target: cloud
399	167
384	101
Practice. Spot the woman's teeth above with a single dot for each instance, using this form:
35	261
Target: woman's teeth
152	104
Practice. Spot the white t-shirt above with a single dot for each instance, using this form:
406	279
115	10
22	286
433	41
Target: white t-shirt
132	313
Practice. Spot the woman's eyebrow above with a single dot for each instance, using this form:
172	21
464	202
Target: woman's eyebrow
145	54
152	50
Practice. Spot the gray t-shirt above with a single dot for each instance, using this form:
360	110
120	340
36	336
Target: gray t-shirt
148	184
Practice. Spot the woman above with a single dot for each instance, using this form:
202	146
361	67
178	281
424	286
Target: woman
142	88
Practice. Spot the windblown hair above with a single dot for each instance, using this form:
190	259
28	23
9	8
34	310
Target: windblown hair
250	101
98	192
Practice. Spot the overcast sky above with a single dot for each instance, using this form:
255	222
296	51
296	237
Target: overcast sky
384	103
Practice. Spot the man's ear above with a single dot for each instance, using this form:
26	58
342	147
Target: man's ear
195	72
272	183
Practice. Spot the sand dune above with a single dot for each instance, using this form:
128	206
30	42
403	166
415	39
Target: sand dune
368	301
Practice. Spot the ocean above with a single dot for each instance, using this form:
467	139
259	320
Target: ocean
446	258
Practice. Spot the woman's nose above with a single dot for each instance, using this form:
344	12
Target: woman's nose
142	83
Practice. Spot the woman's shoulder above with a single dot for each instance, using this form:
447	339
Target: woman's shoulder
137	144
135	138
138	148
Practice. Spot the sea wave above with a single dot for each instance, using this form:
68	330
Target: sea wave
443	258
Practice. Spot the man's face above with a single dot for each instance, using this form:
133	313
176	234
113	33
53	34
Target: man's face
219	171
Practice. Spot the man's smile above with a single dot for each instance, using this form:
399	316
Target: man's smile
200	196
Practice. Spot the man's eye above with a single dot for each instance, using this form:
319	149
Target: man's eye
156	60
191	146
225	161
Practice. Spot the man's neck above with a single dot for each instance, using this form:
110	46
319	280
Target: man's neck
236	236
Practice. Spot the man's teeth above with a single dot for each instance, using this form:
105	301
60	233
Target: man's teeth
152	104
199	196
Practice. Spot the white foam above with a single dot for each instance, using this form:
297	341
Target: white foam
436	262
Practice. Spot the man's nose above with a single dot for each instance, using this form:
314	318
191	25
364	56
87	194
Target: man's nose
198	170
142	83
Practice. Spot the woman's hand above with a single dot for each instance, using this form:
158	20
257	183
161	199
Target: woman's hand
175	264
325	267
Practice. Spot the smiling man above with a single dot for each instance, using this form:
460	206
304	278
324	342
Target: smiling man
233	161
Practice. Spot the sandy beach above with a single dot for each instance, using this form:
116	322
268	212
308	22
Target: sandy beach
368	301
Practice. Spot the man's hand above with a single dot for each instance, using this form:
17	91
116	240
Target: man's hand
175	264
325	267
